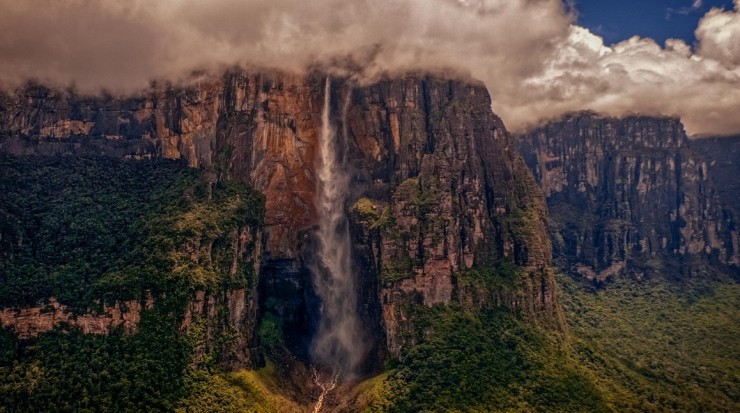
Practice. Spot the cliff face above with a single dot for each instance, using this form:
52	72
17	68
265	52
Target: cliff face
108	245
627	194
29	322
439	190
722	155
255	129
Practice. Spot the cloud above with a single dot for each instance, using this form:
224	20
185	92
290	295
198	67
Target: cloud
696	6
719	35
123	45
638	75
534	62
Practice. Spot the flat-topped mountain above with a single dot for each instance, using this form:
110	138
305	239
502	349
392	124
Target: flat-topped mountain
630	196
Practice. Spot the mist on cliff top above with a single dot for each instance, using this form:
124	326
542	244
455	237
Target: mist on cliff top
534	61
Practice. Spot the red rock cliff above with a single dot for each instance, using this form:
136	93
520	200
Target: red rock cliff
431	164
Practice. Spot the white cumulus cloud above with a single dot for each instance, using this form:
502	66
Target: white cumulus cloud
719	35
639	75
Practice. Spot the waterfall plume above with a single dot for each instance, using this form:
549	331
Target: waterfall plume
338	342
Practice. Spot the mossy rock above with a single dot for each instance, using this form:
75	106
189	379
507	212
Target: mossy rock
365	208
371	215
398	269
408	191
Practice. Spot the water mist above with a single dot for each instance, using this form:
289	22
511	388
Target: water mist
338	343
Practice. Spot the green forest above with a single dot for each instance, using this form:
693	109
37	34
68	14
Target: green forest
632	346
94	231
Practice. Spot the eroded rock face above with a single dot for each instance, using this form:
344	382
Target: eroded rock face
228	313
627	194
427	155
259	129
31	321
722	155
441	190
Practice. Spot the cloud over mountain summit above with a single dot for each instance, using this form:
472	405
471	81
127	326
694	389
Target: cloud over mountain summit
535	62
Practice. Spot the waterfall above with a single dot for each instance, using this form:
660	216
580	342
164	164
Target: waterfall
338	342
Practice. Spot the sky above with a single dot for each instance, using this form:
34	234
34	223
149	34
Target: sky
617	20
538	58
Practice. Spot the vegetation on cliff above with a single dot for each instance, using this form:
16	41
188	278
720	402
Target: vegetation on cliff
489	361
86	230
634	346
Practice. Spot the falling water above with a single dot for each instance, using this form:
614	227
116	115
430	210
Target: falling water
337	345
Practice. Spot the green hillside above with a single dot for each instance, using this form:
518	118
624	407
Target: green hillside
93	231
